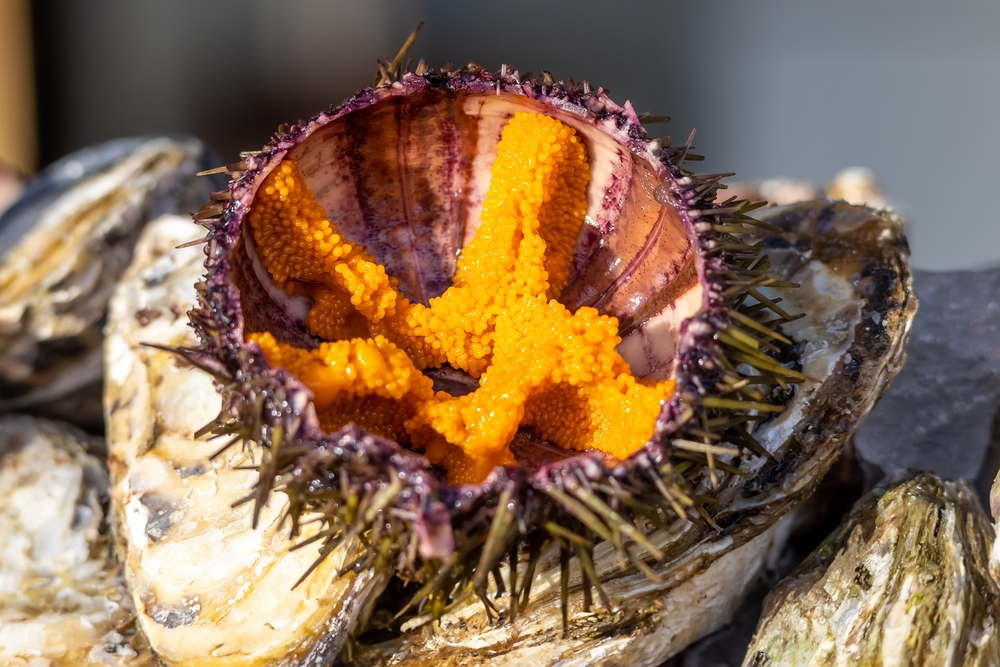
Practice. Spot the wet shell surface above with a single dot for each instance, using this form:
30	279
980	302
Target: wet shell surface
995	511
698	288
208	587
903	581
63	245
62	598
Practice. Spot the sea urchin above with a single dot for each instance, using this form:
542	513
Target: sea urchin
467	315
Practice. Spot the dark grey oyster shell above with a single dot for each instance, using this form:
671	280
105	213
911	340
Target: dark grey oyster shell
63	245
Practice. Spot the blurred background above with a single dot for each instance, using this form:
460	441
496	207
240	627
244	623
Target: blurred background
775	88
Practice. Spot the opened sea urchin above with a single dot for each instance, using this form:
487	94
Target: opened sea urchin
471	319
538	365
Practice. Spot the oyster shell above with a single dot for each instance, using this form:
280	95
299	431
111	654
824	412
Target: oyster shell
855	185
63	246
62	598
902	581
995	511
855	292
208	588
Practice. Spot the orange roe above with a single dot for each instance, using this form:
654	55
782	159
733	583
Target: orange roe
296	242
538	364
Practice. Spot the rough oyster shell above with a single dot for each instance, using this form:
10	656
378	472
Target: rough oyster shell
208	588
995	511
63	246
62	598
856	295
902	581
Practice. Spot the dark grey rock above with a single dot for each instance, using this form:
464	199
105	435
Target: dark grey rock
938	414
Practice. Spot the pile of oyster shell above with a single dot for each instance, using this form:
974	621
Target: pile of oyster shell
126	536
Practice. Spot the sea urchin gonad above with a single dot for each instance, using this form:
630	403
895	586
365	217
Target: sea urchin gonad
473	319
539	366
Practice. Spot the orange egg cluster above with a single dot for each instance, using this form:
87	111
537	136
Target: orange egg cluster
296	242
538	364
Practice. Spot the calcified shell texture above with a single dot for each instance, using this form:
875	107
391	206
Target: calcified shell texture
63	602
404	171
207	589
904	580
